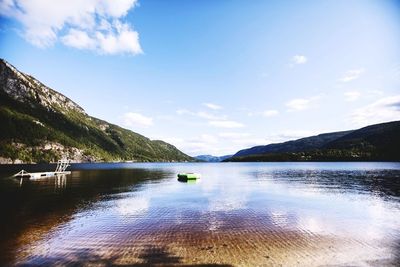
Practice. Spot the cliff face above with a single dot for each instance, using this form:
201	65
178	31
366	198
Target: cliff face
40	124
26	89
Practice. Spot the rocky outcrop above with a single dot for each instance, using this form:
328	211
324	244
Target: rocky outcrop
26	89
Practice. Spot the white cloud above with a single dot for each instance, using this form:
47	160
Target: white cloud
123	40
91	24
352	96
382	110
78	39
226	124
351	75
250	142
132	119
201	114
202	144
270	113
212	106
375	93
242	140
299	59
233	135
176	141
183	111
293	134
299	104
206	115
287	135
230	142
207	138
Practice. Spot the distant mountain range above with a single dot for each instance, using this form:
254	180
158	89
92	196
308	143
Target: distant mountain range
210	158
380	142
39	124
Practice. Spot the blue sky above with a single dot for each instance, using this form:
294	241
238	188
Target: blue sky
213	77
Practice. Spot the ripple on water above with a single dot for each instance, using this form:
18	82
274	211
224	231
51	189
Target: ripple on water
271	216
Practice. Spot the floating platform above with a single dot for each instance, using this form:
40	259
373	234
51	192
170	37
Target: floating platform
188	176
38	175
62	165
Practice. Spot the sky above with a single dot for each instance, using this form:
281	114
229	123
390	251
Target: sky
214	77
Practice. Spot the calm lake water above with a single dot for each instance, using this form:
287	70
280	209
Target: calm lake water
238	214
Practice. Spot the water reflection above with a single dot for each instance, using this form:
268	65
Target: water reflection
26	205
60	181
239	214
132	206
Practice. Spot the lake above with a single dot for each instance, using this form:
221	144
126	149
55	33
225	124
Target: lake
237	214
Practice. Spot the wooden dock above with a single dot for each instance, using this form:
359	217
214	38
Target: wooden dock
62	165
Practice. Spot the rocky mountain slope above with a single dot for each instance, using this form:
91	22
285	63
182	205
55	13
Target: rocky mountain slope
38	124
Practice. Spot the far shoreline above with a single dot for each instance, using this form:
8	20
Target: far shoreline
191	162
13	168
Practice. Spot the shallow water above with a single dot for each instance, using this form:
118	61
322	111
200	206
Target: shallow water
238	214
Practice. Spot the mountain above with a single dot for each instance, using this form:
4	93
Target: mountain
379	142
210	158
303	144
39	124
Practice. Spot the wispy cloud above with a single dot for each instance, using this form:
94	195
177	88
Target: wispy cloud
230	142
211	144
382	110
93	25
212	106
351	96
288	135
270	113
201	114
226	124
215	120
300	104
132	119
183	111
278	137
250	142
242	139
233	135
201	144
351	75
208	116
205	138
375	93
298	59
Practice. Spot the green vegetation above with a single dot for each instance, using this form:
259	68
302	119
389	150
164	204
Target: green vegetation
40	125
379	142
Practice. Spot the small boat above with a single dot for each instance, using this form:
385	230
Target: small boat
188	176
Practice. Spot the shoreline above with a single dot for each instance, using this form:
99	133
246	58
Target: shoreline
212	162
